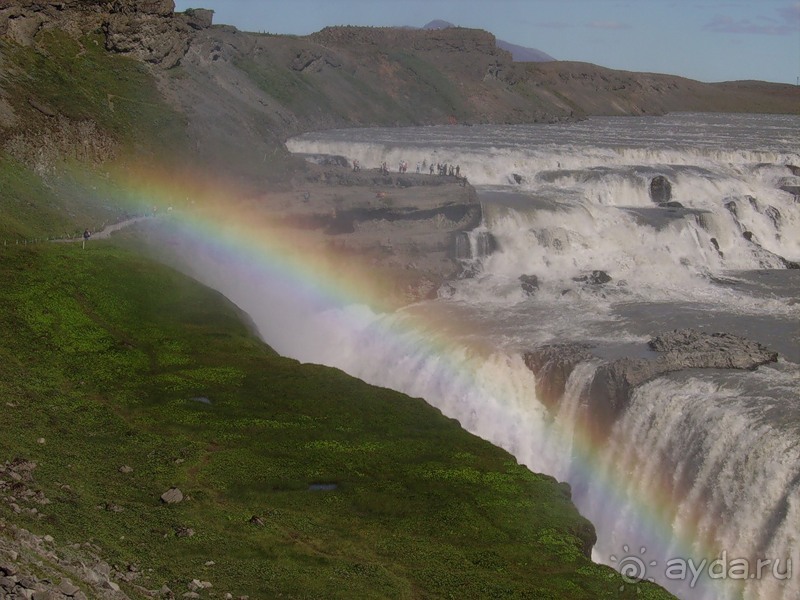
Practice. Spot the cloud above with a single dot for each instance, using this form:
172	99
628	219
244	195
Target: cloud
787	23
553	24
608	25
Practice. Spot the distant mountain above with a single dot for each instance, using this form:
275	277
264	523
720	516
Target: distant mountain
518	53
523	54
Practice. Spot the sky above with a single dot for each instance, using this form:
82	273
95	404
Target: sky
707	40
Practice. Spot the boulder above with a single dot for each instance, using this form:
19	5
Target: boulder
68	588
660	189
172	496
199	18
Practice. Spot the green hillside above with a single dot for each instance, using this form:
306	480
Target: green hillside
117	361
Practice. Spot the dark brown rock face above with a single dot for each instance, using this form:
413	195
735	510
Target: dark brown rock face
149	36
608	394
147	29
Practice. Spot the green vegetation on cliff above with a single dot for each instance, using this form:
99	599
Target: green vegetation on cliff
115	360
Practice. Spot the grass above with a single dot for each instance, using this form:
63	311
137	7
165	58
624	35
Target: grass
80	80
104	354
437	91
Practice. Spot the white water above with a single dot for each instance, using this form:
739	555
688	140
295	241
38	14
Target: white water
720	451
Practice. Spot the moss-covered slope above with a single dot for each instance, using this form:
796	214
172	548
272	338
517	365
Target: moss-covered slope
116	361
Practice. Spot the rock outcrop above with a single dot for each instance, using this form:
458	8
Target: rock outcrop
609	391
147	29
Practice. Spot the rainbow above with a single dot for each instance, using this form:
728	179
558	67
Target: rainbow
241	239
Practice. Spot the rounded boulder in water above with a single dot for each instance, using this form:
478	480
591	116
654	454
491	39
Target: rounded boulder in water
660	189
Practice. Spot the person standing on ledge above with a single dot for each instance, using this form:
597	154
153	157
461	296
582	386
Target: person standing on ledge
86	236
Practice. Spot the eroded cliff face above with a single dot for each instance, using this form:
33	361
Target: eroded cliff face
608	393
148	29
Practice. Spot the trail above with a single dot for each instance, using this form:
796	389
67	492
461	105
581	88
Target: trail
106	232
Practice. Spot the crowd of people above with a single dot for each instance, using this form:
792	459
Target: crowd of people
438	168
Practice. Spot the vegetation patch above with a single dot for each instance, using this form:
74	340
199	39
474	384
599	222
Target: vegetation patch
104	354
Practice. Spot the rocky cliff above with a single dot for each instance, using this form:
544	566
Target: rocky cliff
147	29
608	393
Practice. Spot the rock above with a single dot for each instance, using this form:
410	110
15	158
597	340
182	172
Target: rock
748	235
210	563
794	190
608	393
552	365
41	440
314	60
125	469
184	532
68	588
43	595
148	31
172	496
671	204
689	348
7	583
199	18
28	582
257	521
43	108
732	208
8	569
529	283
518	178
191	595
195	585
660	189
774	215
594	278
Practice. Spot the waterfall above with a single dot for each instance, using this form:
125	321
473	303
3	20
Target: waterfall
697	466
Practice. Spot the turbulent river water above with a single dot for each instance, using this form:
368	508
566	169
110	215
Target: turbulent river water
697	484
